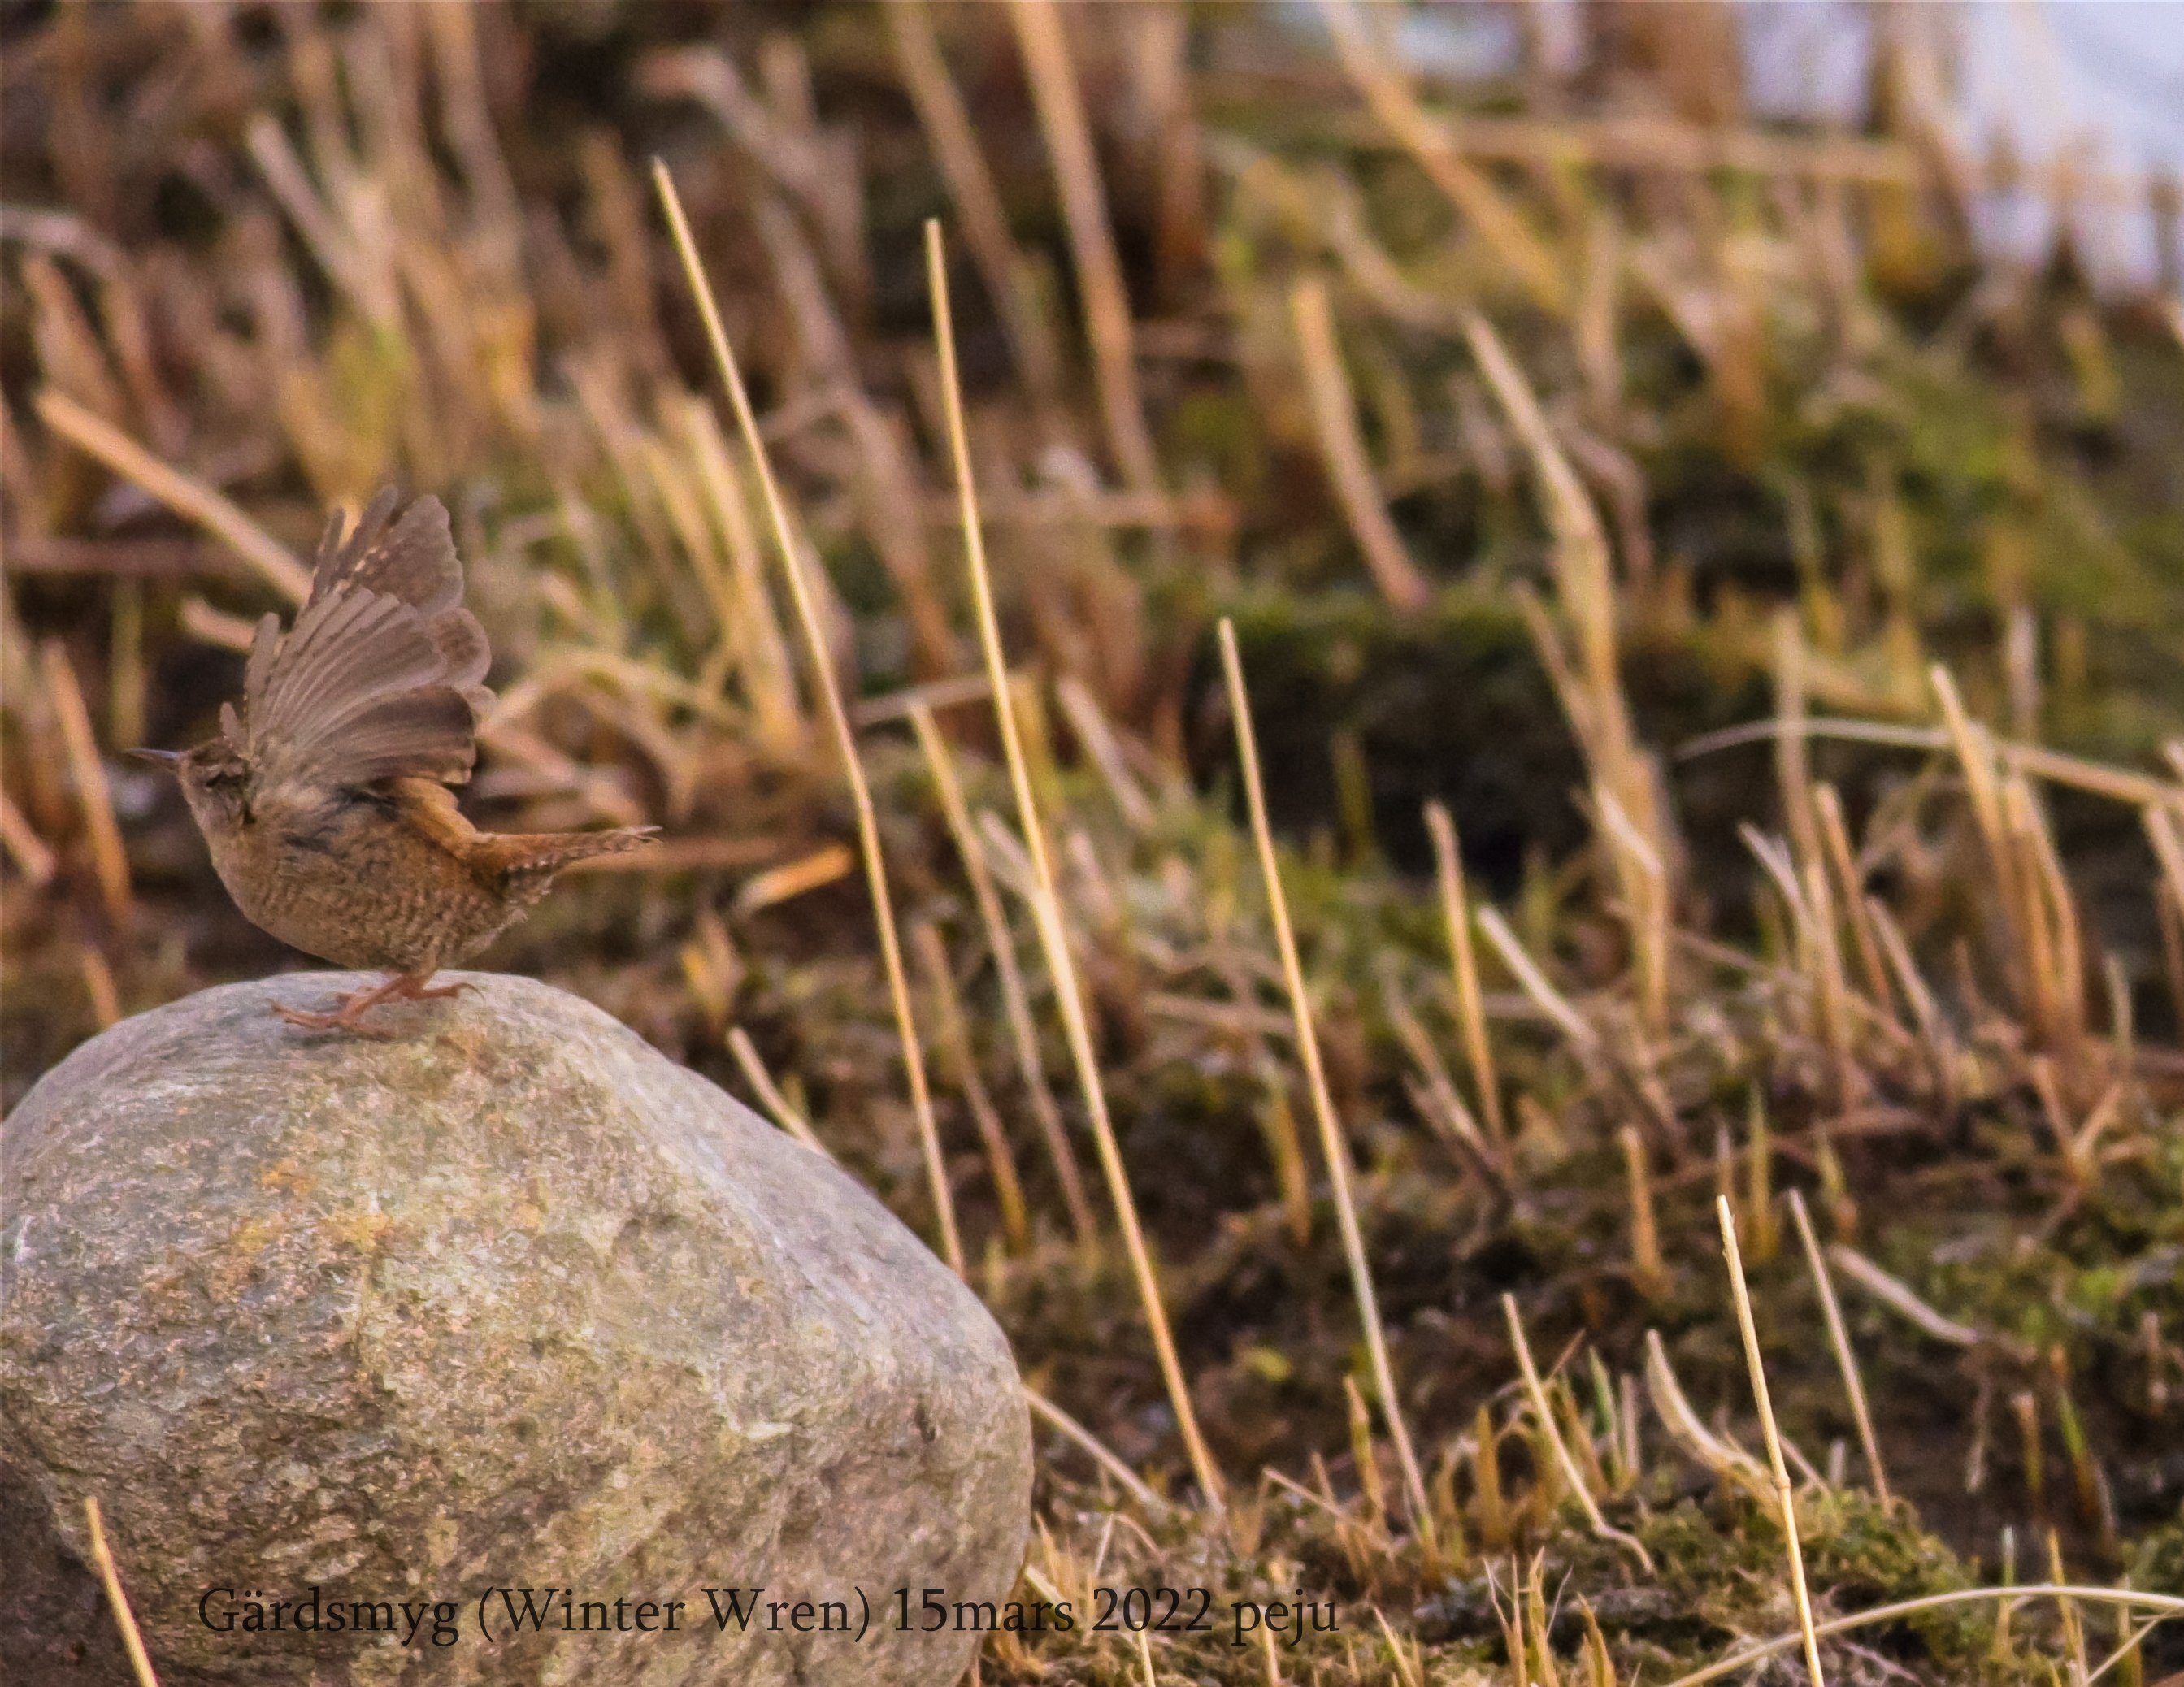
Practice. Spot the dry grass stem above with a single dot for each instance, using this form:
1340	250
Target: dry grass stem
1839	1337
110	858
1544	1413
955	1047
1630	807
1892	1293
189	499
1835	838
1480	202
1729	1464
820	867
1435	1094
29	852
769	1093
962	162
1544	996
110	1577
2118	783
1648	1270
98	985
1793	771
1045	49
1464	963
1785	1495
1331	1141
1016	1002
1045	899
1342	448
1129	1480
2128	1598
1096	738
822	667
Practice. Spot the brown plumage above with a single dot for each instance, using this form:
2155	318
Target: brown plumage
326	804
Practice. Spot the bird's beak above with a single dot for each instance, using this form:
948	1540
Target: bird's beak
168	759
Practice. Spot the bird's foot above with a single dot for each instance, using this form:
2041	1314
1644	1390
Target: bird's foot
345	1018
348	1011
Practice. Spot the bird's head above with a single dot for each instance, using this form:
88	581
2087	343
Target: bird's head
215	781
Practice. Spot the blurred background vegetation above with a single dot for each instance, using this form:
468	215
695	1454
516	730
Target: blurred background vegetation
1542	410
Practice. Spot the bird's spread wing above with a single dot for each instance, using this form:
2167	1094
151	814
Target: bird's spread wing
381	676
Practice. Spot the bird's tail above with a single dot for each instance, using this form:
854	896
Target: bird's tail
538	854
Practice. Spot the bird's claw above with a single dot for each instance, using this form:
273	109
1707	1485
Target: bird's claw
349	1010
344	1018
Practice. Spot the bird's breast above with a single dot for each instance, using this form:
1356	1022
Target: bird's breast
346	880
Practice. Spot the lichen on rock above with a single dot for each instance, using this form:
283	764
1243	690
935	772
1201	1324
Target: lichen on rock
506	1300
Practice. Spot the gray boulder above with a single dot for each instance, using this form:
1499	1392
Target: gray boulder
507	1300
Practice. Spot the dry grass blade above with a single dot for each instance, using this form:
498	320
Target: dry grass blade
1731	1464
1974	751
821	867
2033	760
188	498
1545	1413
822	665
1331	1141
2130	1598
1463	962
962	1062
769	1093
1846	1359
1045	902
28	851
1544	996
1648	1268
1630	813
1015	1002
1890	1292
1334	419
1131	1483
109	859
101	1559
1054	89
954	141
1933	1029
1785	1495
1482	204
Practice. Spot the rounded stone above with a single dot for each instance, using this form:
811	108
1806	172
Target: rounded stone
505	1300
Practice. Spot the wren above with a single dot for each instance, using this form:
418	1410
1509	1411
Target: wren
326	802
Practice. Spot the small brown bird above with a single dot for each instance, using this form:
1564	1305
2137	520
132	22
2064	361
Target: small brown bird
326	802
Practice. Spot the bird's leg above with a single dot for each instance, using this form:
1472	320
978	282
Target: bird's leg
349	1009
